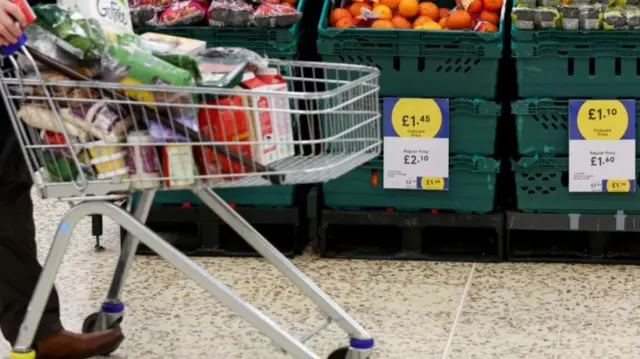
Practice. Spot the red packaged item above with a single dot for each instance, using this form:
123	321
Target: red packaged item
282	15
183	13
155	4
223	125
54	138
230	13
28	13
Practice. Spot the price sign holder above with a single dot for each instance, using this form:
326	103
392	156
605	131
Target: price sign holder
416	143
602	146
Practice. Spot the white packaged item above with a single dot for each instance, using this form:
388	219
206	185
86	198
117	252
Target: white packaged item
262	128
173	44
44	119
113	15
143	161
179	165
108	161
281	118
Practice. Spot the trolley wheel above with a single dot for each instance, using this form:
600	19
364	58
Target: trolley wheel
89	324
340	353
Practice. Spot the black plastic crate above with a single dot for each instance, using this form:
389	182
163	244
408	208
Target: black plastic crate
573	237
379	234
197	231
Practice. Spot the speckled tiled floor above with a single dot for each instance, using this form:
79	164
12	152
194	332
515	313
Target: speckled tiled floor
416	310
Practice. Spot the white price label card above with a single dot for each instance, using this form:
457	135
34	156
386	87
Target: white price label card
416	143
602	146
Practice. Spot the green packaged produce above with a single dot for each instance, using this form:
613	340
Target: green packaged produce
547	17
590	17
549	3
614	19
59	168
523	18
632	15
182	61
81	37
136	66
570	16
531	4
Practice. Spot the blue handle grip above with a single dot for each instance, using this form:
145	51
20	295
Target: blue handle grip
12	49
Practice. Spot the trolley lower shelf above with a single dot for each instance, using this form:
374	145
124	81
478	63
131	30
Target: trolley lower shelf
573	237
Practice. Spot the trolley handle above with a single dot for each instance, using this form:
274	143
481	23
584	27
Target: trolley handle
182	130
9	50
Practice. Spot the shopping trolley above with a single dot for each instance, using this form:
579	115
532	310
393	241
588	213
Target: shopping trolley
70	161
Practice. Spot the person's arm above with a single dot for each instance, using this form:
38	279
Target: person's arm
12	21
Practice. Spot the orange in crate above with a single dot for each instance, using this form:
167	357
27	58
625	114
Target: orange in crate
459	20
493	5
421	20
489	16
400	22
382	24
408	8
392	4
442	12
430	9
384	11
356	8
487	27
337	14
345	22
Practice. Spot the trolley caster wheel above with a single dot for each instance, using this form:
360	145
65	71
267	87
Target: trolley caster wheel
89	325
341	353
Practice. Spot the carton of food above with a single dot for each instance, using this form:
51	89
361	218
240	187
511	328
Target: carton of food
262	127
225	121
280	115
174	44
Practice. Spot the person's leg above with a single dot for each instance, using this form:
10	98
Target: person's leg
19	267
19	272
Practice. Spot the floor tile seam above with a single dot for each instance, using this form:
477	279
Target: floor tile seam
556	346
465	292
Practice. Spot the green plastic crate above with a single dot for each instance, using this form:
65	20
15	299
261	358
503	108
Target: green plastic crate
281	43
542	127
261	197
542	185
418	63
574	64
472	185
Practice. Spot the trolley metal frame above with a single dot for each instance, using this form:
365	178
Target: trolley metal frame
357	101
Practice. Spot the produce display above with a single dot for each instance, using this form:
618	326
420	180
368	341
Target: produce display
103	134
577	14
478	15
220	13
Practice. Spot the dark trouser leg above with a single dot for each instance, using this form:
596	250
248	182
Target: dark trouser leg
19	267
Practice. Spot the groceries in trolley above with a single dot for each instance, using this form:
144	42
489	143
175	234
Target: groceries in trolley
220	13
577	14
165	132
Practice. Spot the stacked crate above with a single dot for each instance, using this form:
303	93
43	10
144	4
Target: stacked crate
554	66
461	66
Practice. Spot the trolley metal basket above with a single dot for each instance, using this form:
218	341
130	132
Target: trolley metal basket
88	142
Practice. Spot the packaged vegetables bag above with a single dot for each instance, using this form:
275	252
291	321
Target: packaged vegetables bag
132	65
81	37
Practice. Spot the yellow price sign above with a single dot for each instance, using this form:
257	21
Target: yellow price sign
417	117
623	185
602	120
602	145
